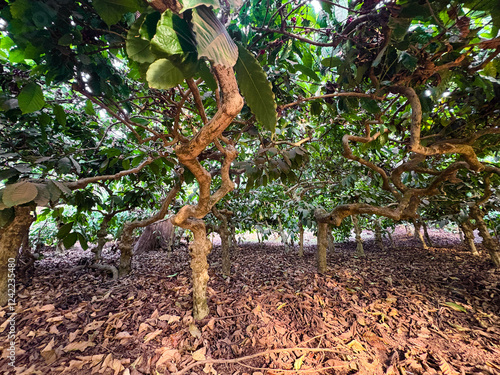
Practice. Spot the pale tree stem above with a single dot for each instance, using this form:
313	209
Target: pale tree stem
301	240
360	251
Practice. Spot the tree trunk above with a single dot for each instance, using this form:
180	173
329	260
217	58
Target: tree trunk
199	250
390	238
488	241
426	234
360	251
322	246
101	238
468	231
301	240
223	229
11	238
331	240
126	246
378	234
418	235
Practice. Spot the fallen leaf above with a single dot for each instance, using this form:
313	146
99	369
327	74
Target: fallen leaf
93	326
46	308
150	336
48	353
123	335
456	306
80	345
199	355
356	346
167	356
194	331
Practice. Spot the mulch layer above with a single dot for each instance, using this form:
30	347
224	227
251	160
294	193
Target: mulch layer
402	310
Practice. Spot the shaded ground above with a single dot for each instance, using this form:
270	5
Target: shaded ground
399	311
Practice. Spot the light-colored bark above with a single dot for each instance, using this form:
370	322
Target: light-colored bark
11	238
418	235
360	251
378	234
468	231
489	242
301	240
331	240
225	235
322	247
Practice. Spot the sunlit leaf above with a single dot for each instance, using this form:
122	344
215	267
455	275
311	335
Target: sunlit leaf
162	74
30	98
213	41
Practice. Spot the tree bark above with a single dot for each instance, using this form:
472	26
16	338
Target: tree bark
331	240
378	234
101	237
468	230
301	240
223	229
126	246
283	235
199	250
360	251
11	238
322	246
488	241
426	234
418	235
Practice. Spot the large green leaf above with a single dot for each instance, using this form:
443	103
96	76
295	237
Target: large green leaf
175	40
30	98
162	74
19	193
256	89
166	39
189	4
213	41
139	48
112	11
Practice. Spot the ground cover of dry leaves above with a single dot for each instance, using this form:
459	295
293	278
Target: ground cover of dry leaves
402	310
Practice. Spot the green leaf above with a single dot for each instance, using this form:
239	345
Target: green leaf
256	89
162	74
64	230
190	4
30	98
70	240
213	41
60	114
166	39
138	48
83	241
408	61
207	76
112	11
331	62
19	193
370	105
456	306
316	108
307	71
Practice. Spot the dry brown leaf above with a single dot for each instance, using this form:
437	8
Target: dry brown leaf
93	326
194	331
445	367
48	353
168	355
107	361
117	366
80	345
53	329
55	319
199	355
72	335
123	335
210	325
144	327
150	336
46	308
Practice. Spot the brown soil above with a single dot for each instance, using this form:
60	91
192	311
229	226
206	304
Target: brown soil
399	311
